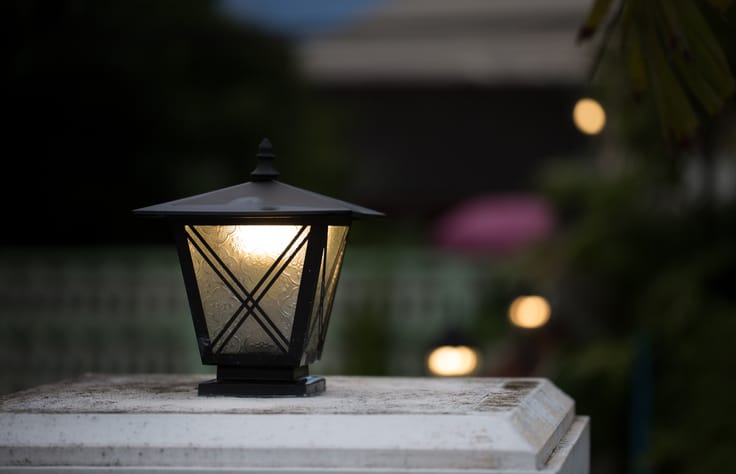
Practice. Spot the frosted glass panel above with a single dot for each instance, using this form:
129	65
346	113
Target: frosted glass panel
326	285
237	267
251	337
218	301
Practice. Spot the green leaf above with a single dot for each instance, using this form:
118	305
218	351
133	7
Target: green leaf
634	61
700	87
700	32
680	55
705	68
679	120
592	22
670	28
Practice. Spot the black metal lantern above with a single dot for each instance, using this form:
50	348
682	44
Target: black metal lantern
261	262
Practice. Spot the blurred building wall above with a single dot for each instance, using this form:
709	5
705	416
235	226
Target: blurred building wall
442	100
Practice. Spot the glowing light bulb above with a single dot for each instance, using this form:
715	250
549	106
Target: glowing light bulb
452	360
589	116
263	240
529	312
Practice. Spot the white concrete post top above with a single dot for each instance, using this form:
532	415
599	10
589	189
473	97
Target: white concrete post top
157	423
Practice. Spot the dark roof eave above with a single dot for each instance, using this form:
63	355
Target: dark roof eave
255	214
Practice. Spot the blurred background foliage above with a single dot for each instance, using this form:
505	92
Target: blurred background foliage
117	105
166	98
670	54
644	269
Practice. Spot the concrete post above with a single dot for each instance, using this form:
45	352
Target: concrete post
378	425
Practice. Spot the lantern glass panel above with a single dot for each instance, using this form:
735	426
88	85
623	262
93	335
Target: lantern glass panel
326	284
248	279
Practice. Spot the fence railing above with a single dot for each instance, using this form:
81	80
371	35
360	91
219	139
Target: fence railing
65	311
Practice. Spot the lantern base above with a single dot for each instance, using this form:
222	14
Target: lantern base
302	387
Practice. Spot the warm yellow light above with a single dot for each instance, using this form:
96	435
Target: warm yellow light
529	311
589	116
452	360
263	240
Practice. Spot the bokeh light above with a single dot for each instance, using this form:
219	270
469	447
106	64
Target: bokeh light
529	312
452	361
589	116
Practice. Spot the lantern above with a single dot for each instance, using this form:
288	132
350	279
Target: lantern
261	262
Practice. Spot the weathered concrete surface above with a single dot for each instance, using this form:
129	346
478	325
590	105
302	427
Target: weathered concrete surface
360	424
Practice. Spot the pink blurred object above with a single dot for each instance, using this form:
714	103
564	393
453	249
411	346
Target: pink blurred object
497	224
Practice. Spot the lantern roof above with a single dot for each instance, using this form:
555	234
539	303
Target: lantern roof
263	196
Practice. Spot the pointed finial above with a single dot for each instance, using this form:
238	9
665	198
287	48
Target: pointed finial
264	169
